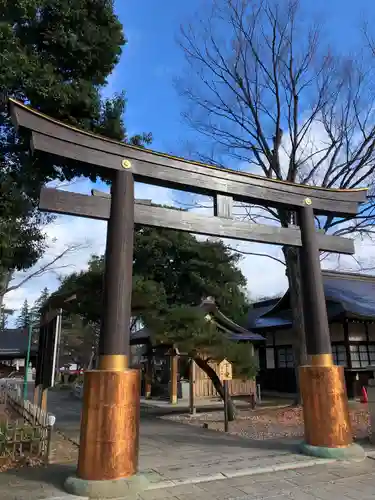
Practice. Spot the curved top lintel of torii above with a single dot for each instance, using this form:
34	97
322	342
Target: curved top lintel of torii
55	137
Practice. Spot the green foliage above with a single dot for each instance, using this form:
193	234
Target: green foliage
36	313
58	53
190	270
77	340
4	315
25	317
56	56
173	272
147	294
40	303
189	329
21	240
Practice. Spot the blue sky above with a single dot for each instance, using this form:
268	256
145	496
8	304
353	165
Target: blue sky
152	58
149	63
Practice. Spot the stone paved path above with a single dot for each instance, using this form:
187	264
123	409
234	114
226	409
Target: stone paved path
325	482
337	481
191	463
173	452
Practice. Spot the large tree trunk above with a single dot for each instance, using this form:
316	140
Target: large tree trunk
210	372
292	259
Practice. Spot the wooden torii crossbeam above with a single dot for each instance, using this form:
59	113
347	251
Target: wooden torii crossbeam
109	426
98	207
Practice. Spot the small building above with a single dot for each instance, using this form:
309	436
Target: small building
13	350
164	359
350	300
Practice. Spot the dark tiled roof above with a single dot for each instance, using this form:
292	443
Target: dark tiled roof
280	321
233	330
346	293
257	312
141	336
14	342
354	293
251	336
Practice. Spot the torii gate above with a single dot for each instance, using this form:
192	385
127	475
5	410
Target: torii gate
108	456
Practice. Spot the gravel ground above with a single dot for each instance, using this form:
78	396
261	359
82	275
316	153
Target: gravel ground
269	423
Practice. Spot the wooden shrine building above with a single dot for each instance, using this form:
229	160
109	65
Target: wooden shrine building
350	301
173	368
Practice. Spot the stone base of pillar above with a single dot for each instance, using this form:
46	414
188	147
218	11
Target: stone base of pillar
109	439
354	452
325	407
126	489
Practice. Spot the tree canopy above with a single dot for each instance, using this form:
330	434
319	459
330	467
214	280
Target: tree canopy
272	97
55	55
172	273
24	317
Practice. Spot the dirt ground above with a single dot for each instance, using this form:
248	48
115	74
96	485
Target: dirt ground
270	423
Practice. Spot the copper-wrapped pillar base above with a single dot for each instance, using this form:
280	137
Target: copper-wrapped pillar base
325	406
108	453
109	425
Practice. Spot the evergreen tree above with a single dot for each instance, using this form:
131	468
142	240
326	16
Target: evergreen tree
24	318
35	313
56	56
173	272
39	303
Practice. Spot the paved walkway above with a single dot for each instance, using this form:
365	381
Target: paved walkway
337	481
324	482
173	453
189	463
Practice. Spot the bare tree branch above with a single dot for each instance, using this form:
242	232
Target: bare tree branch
257	254
271	72
265	91
50	266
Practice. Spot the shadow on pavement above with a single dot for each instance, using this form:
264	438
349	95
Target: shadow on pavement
214	438
54	475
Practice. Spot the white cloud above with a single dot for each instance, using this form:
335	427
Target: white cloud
265	276
88	234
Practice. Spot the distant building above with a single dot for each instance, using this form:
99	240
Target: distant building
13	348
159	357
350	300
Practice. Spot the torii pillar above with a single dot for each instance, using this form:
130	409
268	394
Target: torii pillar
108	453
328	432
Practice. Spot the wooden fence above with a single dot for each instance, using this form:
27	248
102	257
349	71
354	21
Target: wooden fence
205	388
30	435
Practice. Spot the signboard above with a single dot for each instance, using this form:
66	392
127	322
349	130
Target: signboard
225	370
